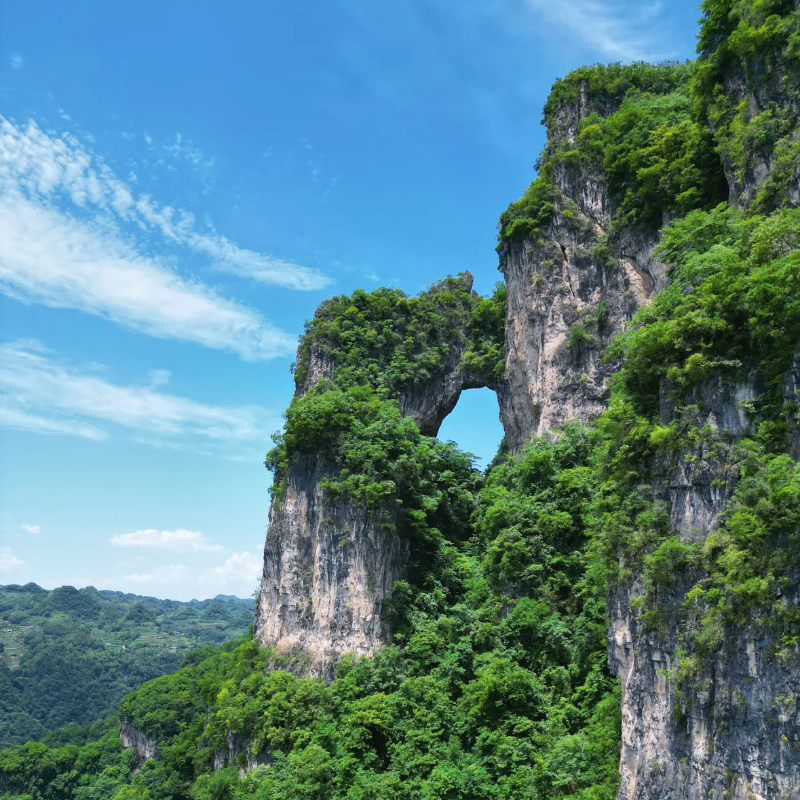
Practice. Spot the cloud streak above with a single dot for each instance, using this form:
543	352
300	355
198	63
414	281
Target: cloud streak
170	575
198	577
240	568
622	31
179	541
69	232
8	560
60	262
46	167
40	394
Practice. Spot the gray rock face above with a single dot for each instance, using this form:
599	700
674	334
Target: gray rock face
328	569
759	84
132	737
732	736
329	566
567	301
237	753
734	733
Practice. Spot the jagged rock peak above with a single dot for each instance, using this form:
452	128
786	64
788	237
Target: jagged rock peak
330	561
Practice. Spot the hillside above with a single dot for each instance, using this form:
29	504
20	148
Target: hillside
611	609
69	656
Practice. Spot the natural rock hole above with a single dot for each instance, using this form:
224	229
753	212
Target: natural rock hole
474	425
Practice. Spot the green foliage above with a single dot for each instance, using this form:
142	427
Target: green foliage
495	685
389	341
745	564
485	356
733	302
641	134
607	85
69	656
758	42
379	460
657	160
377	345
579	335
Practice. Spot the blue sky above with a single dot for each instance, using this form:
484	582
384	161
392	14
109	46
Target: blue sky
181	184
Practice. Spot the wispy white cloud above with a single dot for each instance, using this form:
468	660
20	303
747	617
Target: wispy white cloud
238	574
8	560
621	30
16	61
39	393
240	569
158	377
187	150
181	540
68	232
44	167
47	257
22	421
31	528
168	575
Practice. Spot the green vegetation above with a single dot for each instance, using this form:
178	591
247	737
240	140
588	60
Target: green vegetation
732	308
390	341
642	135
733	303
380	344
495	685
69	656
758	42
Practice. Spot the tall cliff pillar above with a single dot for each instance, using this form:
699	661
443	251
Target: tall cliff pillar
330	561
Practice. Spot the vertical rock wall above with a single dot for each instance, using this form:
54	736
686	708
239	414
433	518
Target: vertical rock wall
562	284
329	565
328	568
734	732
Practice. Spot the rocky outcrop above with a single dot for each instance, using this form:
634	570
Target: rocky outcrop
328	569
329	565
427	402
237	753
144	745
568	297
733	733
761	81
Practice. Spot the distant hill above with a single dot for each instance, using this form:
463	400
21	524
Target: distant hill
70	655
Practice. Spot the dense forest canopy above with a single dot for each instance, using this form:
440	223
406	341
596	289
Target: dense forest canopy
70	655
496	685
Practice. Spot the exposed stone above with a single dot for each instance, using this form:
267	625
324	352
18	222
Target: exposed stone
237	753
329	566
734	733
561	284
328	569
144	745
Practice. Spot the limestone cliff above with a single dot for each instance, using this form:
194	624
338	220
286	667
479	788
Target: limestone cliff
567	295
328	569
578	254
732	733
144	745
330	563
